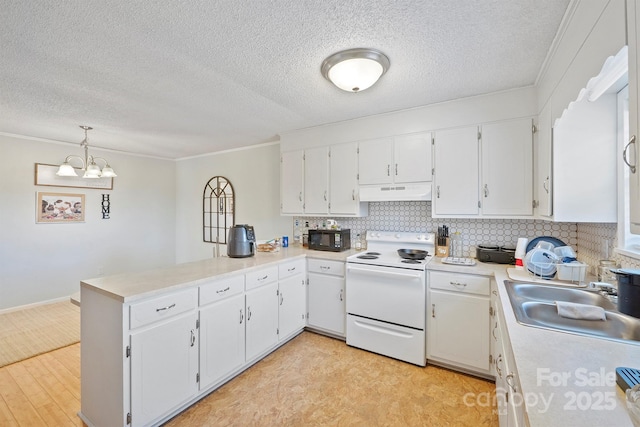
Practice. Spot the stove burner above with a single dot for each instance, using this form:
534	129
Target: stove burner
366	256
372	253
411	261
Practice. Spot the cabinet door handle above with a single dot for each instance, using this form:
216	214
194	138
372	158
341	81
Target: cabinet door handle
300	196
221	291
193	338
291	269
248	313
433	310
458	284
498	362
241	316
437	191
624	154
260	279
396	169
510	381
545	185
353	194
494	332
166	308
325	195
341	291
281	298
388	169
486	190
325	267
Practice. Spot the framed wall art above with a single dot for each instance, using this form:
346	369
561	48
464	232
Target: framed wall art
46	175
59	208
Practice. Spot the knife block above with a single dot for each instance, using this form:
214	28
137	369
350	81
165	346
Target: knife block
443	251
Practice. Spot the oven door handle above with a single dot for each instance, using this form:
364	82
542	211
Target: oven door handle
377	272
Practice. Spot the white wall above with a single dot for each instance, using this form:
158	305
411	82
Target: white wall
40	262
255	176
592	32
497	106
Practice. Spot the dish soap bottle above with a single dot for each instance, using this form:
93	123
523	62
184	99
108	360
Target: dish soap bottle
455	250
358	243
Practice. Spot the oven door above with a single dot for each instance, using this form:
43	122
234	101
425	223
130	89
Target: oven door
387	294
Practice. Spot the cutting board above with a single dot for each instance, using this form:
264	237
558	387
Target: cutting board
522	275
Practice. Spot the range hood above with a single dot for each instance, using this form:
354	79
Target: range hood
395	192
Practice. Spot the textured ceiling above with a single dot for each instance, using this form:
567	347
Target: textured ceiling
180	78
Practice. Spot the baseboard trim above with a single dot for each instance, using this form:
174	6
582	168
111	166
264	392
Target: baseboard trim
35	304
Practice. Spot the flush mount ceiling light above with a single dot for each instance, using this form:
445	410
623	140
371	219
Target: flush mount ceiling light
355	70
91	169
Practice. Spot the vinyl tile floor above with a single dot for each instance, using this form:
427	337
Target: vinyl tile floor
318	381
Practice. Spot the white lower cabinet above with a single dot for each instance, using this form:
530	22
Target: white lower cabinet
291	300
326	296
262	320
222	336
145	361
509	398
222	339
458	321
164	368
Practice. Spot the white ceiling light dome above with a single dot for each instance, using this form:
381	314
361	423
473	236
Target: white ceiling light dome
355	70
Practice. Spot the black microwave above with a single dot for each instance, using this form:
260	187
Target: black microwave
330	240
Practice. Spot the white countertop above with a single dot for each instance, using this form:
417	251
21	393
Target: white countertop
575	375
129	287
564	377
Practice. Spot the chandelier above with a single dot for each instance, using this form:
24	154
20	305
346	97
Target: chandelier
89	166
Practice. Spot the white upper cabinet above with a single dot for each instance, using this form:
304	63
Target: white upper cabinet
292	182
321	181
374	160
401	159
633	26
412	158
484	171
456	176
583	184
316	181
543	176
343	181
507	168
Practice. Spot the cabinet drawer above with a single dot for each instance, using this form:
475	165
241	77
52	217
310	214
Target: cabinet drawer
292	268
335	268
153	310
457	282
260	277
215	290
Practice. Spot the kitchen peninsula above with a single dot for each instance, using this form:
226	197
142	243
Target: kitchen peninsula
561	379
144	333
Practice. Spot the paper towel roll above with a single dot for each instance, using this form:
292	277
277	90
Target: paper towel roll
521	248
521	251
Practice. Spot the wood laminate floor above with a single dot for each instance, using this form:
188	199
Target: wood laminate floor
311	381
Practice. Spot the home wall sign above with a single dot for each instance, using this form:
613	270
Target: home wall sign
59	208
46	175
106	206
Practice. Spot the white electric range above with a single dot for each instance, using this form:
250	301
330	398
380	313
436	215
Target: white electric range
386	296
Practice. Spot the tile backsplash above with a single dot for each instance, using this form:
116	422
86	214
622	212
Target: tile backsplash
592	242
595	242
416	217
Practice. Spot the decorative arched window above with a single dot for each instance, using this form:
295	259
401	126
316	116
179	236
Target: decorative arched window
218	212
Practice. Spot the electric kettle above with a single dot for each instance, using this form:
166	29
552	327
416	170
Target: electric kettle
241	242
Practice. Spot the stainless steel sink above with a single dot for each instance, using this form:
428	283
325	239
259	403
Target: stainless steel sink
534	305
